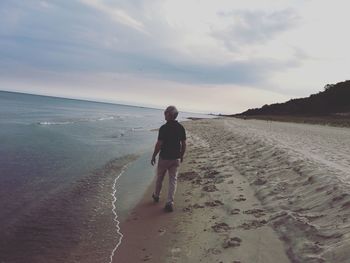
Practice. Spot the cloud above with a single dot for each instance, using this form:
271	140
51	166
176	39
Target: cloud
78	36
116	14
254	27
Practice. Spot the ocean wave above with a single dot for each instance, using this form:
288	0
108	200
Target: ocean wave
54	123
67	122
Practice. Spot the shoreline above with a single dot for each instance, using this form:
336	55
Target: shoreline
240	199
334	121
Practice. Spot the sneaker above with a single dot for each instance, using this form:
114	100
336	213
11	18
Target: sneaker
169	207
155	198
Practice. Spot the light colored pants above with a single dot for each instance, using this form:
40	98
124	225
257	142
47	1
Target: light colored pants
171	166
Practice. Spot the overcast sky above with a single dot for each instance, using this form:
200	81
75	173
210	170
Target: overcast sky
201	55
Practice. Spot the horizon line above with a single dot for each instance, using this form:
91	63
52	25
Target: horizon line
91	100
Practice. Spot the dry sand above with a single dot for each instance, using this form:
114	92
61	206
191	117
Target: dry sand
250	191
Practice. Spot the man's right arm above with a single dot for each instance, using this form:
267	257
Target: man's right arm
157	148
183	150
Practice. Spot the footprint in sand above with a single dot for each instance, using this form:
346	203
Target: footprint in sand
214	203
255	212
218	180
260	181
253	224
187	176
209	188
235	211
198	206
346	204
187	209
210	174
175	253
240	198
147	258
214	251
161	231
197	181
221	227
232	242
190	208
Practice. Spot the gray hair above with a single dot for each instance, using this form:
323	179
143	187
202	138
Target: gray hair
172	110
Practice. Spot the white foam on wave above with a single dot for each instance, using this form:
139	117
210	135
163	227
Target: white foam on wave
114	211
106	118
55	123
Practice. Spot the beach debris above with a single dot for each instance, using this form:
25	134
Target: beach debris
255	212
214	203
232	242
209	188
221	227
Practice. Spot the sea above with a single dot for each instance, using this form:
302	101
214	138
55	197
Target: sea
70	171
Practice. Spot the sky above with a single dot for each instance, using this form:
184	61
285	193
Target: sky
221	56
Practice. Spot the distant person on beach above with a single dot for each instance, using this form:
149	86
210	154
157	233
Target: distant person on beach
171	144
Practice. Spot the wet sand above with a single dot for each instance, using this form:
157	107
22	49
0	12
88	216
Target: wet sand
246	195
74	225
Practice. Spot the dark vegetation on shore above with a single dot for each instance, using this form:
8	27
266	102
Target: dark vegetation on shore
331	106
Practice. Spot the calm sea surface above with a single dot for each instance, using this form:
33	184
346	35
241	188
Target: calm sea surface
59	159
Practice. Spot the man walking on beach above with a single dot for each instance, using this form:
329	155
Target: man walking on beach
172	146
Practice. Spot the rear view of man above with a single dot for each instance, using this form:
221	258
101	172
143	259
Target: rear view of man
172	145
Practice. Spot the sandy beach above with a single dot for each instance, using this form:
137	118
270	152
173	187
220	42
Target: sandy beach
250	191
